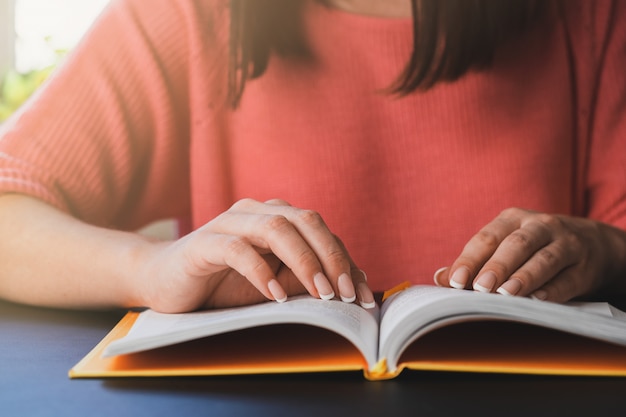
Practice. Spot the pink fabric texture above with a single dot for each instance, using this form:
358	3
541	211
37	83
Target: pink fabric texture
135	127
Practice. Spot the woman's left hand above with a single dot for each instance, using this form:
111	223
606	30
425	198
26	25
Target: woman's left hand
549	257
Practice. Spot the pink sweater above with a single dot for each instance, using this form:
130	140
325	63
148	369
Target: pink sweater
134	128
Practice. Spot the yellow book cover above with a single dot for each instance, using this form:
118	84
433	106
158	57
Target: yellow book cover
419	328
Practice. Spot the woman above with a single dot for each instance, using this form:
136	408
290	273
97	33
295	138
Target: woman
169	110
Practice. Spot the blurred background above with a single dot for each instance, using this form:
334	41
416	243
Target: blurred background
34	37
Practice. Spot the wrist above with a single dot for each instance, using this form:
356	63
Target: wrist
615	270
139	279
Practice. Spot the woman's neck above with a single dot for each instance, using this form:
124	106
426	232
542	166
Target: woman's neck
378	8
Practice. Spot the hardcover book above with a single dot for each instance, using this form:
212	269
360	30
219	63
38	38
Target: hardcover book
419	328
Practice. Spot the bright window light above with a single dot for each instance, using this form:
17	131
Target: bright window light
45	26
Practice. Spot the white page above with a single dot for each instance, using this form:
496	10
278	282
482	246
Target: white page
420	309
152	329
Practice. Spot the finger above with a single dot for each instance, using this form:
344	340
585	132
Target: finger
237	253
514	251
276	234
333	258
479	249
561	288
364	294
544	265
285	276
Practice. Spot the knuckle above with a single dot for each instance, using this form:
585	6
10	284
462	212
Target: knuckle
306	257
487	239
548	220
336	256
521	240
277	202
575	244
548	259
310	218
276	224
242	204
511	213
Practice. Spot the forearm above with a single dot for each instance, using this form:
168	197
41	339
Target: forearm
49	258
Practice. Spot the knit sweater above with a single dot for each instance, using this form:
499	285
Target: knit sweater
135	127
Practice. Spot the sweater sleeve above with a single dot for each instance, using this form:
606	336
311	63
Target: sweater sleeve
606	169
107	138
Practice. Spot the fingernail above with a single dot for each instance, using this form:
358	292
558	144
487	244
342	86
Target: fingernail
539	295
459	278
486	282
277	291
346	288
323	287
511	287
437	275
366	298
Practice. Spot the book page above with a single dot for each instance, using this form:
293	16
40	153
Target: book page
413	312
153	330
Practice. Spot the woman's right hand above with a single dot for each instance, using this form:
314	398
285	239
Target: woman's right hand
252	252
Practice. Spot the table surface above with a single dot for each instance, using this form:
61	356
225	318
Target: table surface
38	346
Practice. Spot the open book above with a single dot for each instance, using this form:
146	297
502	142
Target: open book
422	328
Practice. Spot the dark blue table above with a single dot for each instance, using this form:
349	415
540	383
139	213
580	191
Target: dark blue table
38	347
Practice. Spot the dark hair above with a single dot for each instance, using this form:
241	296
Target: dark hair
449	37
